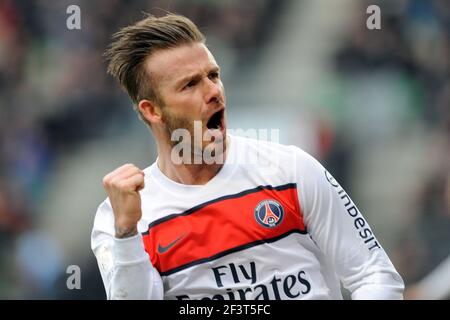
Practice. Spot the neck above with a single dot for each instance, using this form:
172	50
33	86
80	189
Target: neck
189	174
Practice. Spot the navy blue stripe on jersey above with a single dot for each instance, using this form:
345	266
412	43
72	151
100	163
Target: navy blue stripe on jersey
230	251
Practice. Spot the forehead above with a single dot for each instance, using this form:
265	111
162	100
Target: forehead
169	65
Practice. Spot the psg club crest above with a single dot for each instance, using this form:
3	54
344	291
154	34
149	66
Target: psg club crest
269	213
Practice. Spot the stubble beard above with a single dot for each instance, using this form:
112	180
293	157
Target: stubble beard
197	149
174	123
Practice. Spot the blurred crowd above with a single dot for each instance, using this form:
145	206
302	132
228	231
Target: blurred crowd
56	95
413	47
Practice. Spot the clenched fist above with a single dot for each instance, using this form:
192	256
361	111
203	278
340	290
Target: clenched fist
123	186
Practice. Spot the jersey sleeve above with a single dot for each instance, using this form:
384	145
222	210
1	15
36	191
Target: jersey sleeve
343	234
125	267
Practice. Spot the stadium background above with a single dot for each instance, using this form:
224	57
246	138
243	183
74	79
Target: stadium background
372	105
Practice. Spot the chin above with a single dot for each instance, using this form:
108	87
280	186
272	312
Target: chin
214	151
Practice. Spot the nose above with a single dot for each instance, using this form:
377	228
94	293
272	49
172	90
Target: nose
212	91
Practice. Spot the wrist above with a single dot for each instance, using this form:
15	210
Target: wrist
125	231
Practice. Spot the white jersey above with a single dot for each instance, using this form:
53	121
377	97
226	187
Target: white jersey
272	224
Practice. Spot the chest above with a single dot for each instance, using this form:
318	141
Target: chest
221	226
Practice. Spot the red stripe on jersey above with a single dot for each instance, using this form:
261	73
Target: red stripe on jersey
219	226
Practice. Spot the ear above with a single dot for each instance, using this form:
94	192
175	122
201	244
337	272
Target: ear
150	111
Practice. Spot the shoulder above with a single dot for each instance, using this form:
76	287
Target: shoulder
104	213
248	144
103	223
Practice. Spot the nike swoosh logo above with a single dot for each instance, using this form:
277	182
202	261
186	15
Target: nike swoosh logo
164	249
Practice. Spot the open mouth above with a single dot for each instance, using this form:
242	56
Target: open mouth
216	120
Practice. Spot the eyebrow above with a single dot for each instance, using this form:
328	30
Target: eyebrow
194	76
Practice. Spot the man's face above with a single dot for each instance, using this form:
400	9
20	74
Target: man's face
188	83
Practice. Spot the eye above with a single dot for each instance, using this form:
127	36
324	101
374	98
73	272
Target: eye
214	75
190	84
